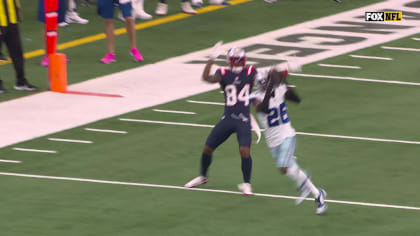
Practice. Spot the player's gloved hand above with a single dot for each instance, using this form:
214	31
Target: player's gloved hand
216	50
294	66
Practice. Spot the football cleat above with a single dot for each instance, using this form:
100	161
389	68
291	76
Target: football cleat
246	189
186	8
320	201
161	9
196	181
197	3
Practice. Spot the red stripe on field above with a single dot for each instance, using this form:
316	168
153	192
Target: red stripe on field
94	94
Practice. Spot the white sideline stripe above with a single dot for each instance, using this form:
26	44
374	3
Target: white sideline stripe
355	79
33	150
417	39
9	161
69	140
300	133
208	103
167	123
359	138
339	66
106	131
374	58
200	189
402	49
176	112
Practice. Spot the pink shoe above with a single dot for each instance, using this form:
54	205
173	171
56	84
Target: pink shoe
45	61
136	54
109	58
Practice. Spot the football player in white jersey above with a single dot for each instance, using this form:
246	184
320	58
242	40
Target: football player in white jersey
269	102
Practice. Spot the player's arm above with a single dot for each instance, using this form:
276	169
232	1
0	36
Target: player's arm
206	73
291	95
263	106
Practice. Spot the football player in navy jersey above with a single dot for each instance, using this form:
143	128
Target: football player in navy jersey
237	82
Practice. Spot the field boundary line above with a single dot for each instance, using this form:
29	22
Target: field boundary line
201	189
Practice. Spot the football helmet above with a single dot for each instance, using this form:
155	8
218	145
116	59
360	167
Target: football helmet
261	79
236	59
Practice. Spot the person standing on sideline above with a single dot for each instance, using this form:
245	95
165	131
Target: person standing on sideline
71	14
9	34
237	83
106	10
269	102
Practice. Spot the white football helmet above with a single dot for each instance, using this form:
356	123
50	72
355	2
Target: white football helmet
261	79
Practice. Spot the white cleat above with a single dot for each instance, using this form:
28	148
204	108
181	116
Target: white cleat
186	8
161	9
246	189
73	17
320	201
197	3
141	14
196	181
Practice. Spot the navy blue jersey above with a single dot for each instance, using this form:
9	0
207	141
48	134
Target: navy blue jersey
237	87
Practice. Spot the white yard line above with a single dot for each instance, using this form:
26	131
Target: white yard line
33	150
106	131
176	112
166	123
417	39
374	58
69	140
339	66
9	161
355	79
402	49
207	103
200	189
300	133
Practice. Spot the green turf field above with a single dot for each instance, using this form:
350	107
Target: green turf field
349	170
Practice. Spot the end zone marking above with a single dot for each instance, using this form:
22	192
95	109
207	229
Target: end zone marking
33	150
339	66
176	112
106	131
10	161
201	189
373	58
69	140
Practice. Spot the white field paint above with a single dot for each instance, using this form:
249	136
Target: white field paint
200	189
299	133
175	112
339	66
36	116
106	131
371	57
69	140
206	103
417	39
33	150
355	79
10	161
402	49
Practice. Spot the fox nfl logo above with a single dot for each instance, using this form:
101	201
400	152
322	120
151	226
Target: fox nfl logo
383	16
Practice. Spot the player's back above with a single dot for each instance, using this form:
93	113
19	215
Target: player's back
237	88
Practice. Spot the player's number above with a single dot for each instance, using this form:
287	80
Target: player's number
277	114
232	97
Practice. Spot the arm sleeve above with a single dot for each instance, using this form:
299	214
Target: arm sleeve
291	95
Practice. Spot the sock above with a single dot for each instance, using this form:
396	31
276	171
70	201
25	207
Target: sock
300	178
246	169
162	1
184	0
205	163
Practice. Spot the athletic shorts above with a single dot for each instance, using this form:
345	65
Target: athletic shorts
61	11
106	8
284	154
225	128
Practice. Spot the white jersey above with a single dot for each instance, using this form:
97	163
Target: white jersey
276	123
